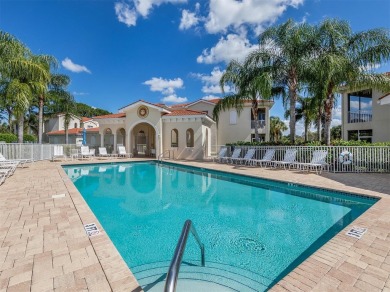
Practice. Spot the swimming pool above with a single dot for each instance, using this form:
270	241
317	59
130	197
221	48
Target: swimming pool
255	231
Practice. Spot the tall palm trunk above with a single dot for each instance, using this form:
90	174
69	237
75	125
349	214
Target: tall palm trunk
328	117
293	100
319	124
306	130
255	113
20	127
40	119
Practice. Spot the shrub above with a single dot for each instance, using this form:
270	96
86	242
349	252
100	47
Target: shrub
8	137
29	138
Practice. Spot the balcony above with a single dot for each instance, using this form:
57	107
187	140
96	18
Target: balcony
359	117
260	123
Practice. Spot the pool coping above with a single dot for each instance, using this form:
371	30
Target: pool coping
343	263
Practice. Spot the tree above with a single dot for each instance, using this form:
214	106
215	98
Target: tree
345	59
22	77
335	132
66	104
286	49
277	126
250	84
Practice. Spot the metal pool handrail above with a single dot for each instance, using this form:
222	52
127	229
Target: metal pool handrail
174	268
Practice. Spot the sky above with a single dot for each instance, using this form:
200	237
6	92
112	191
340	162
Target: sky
169	51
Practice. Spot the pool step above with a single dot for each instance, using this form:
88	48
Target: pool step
222	277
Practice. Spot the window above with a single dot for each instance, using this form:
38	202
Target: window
75	125
360	106
233	117
190	138
260	119
174	138
360	135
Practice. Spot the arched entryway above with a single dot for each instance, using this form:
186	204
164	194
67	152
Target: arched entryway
121	137
143	140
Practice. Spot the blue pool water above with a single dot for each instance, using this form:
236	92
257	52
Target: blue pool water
254	230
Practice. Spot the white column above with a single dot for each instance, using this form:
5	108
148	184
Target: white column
115	150
102	139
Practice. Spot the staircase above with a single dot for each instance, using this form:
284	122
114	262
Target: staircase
214	277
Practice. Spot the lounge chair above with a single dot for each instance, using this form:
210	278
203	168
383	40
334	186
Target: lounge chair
58	152
267	158
103	153
2	178
21	162
318	161
289	158
85	153
221	154
8	168
122	152
235	155
246	159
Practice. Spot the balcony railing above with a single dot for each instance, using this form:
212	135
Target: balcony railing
359	116
260	123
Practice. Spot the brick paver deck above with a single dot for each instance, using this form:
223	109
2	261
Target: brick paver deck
44	246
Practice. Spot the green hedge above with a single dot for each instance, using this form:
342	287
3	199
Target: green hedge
29	138
8	138
313	143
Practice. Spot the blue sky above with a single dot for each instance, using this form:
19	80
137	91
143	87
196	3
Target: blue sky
117	52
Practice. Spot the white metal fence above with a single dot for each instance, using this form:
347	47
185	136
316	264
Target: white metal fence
362	158
355	158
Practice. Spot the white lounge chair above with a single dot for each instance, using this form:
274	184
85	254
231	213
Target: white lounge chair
235	155
21	162
267	158
221	154
122	152
103	153
289	158
8	168
58	152
246	159
318	161
85	153
2	178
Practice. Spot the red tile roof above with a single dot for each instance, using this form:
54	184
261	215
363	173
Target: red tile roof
179	105
111	116
74	131
155	104
184	112
85	119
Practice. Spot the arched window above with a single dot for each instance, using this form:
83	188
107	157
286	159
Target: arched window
75	125
174	138
190	138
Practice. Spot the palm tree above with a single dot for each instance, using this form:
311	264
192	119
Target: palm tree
65	104
250	84
21	75
345	59
276	128
285	49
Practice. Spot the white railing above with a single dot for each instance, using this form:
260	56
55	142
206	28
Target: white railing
363	159
32	151
359	116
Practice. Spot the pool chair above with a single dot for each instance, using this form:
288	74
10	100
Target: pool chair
2	178
246	159
221	154
85	153
58	152
103	153
8	168
235	155
318	162
122	152
289	159
267	158
21	162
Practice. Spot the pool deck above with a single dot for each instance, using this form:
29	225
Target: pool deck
44	246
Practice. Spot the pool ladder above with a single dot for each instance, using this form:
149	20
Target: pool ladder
174	268
161	155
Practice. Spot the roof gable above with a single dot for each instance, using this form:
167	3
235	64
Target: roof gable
158	107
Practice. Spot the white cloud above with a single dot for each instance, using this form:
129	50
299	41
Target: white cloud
166	86
211	82
209	97
173	98
128	11
232	13
188	19
125	14
68	64
232	47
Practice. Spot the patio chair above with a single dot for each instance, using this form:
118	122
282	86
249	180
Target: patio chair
318	161
8	168
289	158
122	152
58	152
246	159
2	178
221	154
21	162
236	154
267	158
103	153
85	153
